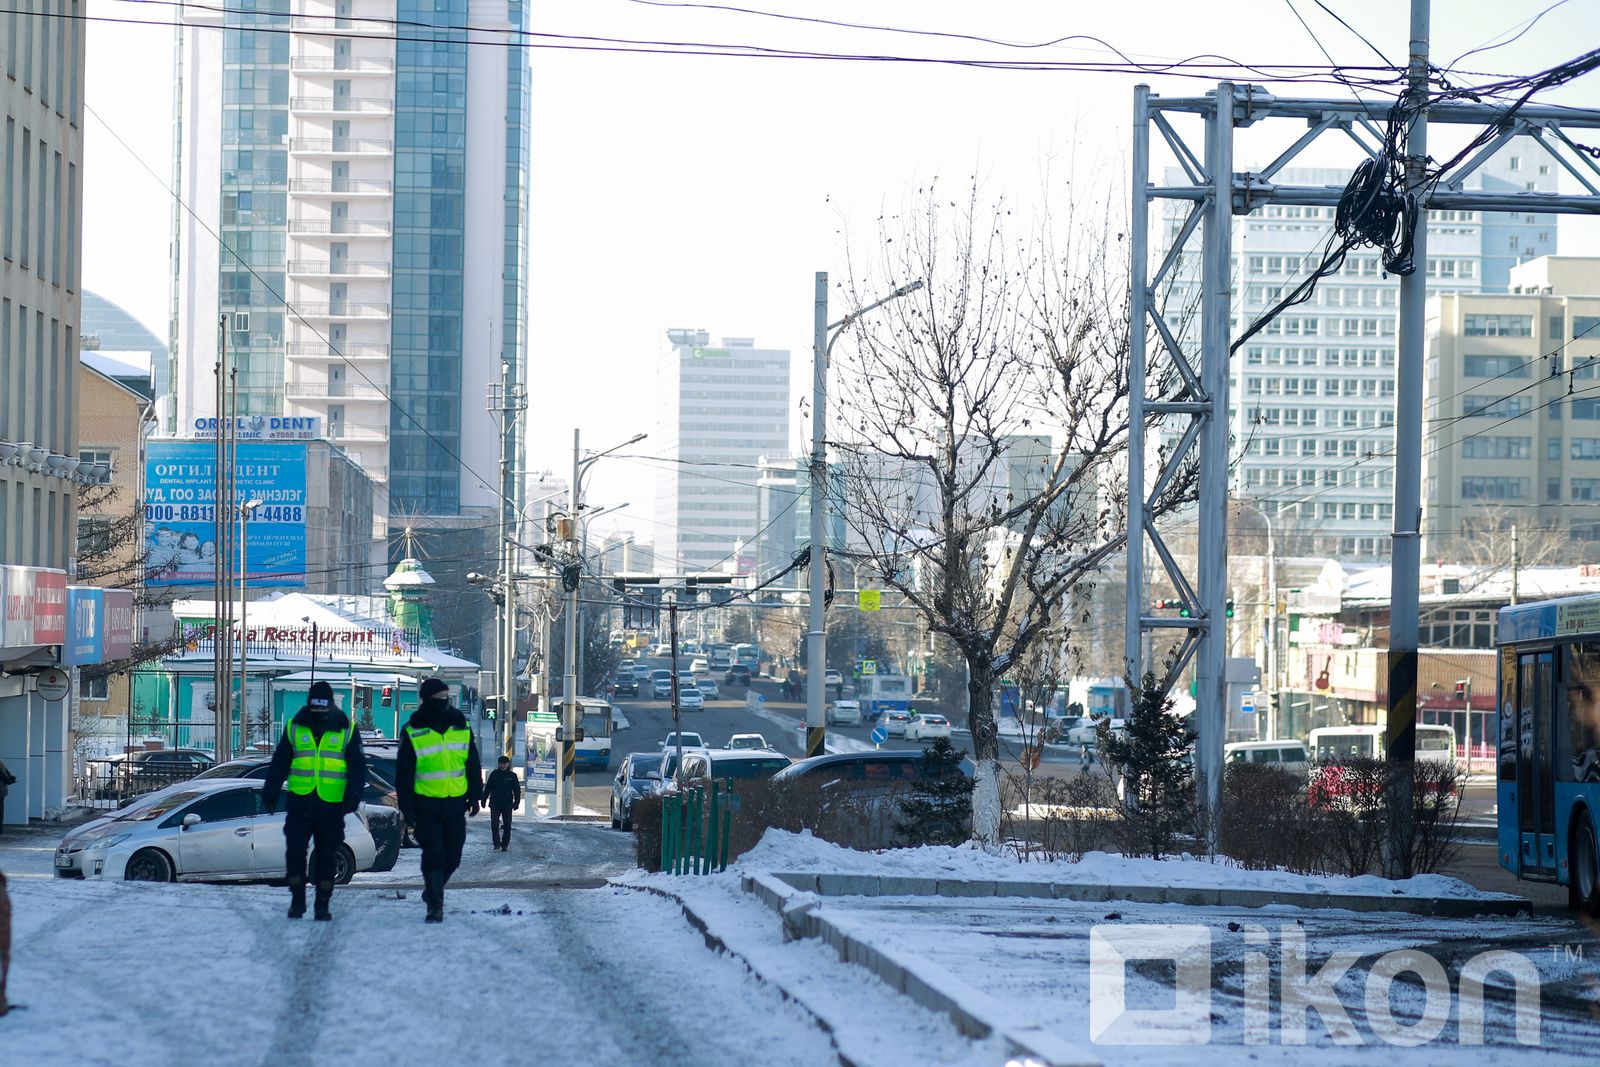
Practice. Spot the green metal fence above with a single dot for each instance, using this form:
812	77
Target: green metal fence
695	822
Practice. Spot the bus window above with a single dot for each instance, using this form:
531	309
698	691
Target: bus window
1346	746
1582	736
1435	740
596	723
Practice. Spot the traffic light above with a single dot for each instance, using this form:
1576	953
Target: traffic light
1228	611
490	707
1461	690
1174	605
388	696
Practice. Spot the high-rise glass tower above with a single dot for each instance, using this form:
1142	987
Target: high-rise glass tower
364	165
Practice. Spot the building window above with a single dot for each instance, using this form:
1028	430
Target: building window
1582	448
1586	489
88	456
1498	407
1584	326
1495	367
1501	488
1496	447
94	535
1552	489
1498	326
94	688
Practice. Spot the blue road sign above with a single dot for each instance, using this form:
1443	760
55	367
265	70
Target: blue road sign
880	734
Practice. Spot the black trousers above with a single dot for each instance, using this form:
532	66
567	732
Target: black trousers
300	829
441	835
500	825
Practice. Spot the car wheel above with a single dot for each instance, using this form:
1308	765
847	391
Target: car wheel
1583	889
149	865
344	866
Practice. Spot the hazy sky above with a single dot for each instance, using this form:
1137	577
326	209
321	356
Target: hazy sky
705	191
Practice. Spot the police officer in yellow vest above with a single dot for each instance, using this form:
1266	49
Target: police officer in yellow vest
320	762
439	781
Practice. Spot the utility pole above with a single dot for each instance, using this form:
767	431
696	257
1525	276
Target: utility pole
565	782
1401	727
219	591
507	400
1516	561
816	632
1271	709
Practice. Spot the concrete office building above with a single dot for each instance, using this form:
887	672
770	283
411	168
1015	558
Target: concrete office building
720	410
1513	413
1312	394
371	194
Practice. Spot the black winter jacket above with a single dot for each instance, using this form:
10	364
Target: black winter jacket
434	715
320	720
502	790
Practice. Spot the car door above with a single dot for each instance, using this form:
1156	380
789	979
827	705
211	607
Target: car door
222	844
269	838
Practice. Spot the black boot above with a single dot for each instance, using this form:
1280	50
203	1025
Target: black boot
324	898
433	896
297	898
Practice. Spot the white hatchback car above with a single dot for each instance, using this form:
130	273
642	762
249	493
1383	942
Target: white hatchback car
203	831
926	727
844	713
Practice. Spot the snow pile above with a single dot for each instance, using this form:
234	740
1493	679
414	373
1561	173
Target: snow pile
780	850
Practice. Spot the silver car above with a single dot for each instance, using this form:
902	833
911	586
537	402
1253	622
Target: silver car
639	776
205	831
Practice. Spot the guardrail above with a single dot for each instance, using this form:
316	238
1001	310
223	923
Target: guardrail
111	783
695	825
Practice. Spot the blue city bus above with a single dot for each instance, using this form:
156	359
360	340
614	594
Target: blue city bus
1549	744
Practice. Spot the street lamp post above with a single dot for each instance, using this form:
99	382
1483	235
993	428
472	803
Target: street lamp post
246	511
817	491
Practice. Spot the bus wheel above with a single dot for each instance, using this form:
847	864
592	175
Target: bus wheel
1584	881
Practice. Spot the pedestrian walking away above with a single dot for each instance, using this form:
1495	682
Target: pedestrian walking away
7	780
320	764
503	793
1083	756
439	782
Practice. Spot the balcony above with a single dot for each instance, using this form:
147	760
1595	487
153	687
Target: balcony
352	351
340	187
341	105
323	389
340	227
350	268
343	25
341	64
339	146
341	309
343	432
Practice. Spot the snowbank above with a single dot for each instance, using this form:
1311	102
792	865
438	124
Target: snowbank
779	850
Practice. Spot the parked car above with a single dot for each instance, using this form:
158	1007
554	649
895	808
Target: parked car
895	722
1289	755
747	742
708	687
926	726
699	665
639	776
379	802
862	769
738	674
690	740
212	830
1085	732
690	698
129	774
844	713
833	678
624	685
660	684
719	764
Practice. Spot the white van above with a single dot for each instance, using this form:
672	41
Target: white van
1435	743
1290	755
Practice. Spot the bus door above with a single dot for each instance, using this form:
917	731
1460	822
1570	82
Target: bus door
1536	827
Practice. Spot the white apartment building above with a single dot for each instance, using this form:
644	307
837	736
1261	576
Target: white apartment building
720	410
1312	395
370	194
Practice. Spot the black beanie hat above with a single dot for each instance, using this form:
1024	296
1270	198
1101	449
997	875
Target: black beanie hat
321	695
433	687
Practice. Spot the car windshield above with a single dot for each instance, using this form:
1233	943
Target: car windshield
764	767
644	768
231	769
155	809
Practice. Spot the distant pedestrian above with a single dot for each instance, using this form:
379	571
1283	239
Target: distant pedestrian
319	756
1084	758
439	781
7	780
503	791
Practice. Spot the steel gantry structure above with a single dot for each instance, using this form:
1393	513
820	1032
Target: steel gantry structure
1187	377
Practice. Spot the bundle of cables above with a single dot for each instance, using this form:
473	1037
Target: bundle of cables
1376	210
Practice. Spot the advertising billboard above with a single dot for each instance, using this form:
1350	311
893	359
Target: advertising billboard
179	516
35	601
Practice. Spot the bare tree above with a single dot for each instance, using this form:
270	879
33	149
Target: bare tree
113	552
1494	539
984	423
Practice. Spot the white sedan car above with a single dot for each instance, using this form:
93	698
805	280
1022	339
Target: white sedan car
844	713
691	699
927	727
1085	732
203	831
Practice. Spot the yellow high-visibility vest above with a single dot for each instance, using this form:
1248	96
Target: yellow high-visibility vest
441	761
317	767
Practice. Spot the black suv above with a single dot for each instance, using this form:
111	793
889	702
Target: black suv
738	674
625	685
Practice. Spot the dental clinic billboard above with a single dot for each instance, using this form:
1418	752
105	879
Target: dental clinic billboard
179	516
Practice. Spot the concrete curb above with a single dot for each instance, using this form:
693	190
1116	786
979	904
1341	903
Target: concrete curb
716	944
872	885
925	983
